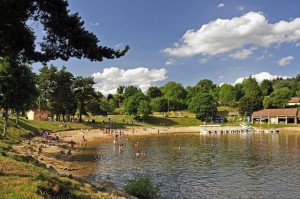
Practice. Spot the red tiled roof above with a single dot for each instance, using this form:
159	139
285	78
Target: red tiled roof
40	111
276	112
294	100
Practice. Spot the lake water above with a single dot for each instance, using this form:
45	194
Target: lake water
245	165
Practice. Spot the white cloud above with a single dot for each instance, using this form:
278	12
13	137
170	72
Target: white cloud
285	60
110	79
203	60
226	35
94	24
260	77
242	54
170	62
119	45
260	58
241	8
221	5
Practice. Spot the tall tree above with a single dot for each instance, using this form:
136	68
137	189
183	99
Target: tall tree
280	97
239	91
17	87
203	86
251	88
227	95
159	104
154	92
203	105
247	105
25	92
266	87
62	98
131	91
65	35
120	90
46	81
94	107
144	109
175	94
84	92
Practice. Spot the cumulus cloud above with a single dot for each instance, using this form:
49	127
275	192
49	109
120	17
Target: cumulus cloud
227	35
110	79
242	54
221	5
285	60
170	62
260	77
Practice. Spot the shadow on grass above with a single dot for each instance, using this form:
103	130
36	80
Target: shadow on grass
32	131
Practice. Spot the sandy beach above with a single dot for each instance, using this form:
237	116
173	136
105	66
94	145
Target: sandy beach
67	160
60	155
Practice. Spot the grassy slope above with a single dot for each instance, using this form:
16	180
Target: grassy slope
23	177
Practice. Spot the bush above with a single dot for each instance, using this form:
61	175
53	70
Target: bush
142	188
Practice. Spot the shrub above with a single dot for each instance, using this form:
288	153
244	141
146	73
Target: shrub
142	188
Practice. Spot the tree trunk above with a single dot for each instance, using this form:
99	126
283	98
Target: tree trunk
17	119
5	123
80	112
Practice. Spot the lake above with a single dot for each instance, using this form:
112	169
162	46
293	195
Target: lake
244	165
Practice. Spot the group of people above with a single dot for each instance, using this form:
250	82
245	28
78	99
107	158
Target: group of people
138	153
118	140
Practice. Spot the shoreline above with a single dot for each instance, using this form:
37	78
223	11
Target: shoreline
54	155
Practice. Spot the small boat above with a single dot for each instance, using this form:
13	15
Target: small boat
204	132
246	127
266	131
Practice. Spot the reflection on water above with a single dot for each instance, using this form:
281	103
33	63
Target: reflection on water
209	166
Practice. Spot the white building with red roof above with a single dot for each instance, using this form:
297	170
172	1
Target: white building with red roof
38	115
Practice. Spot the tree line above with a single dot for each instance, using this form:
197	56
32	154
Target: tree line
65	95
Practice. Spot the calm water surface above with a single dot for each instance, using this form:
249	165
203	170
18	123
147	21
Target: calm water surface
243	165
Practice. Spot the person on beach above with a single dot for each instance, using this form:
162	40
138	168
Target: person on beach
72	143
136	145
40	150
137	154
121	148
143	154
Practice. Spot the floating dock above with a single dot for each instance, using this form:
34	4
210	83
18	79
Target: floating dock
218	129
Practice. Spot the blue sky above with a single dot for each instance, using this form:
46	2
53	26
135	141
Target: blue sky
187	41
